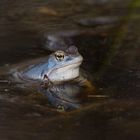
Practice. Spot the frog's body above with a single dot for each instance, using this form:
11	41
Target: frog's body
57	68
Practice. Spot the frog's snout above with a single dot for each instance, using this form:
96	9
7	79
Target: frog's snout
72	50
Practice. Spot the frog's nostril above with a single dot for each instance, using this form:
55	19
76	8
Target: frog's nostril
72	50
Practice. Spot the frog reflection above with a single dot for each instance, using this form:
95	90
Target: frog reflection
66	96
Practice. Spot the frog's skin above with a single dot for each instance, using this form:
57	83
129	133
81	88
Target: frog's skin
59	67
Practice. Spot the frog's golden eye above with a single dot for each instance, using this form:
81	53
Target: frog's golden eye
59	55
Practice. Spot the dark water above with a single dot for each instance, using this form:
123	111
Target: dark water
111	58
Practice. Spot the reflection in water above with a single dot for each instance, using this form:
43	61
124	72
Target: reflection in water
68	96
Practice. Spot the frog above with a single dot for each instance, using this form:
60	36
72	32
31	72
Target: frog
58	76
58	67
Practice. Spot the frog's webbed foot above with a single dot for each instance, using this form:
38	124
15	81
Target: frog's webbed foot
46	82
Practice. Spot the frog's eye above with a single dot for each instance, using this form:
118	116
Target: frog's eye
59	55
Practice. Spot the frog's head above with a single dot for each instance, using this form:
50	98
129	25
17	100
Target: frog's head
60	66
63	66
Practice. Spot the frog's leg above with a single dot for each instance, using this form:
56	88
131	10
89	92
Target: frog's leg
46	82
83	82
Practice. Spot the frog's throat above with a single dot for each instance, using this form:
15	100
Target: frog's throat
68	66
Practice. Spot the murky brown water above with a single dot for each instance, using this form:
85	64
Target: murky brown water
110	52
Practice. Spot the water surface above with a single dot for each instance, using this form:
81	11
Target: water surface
110	54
